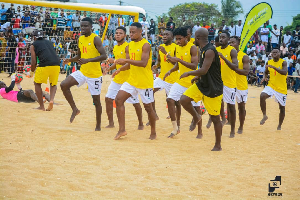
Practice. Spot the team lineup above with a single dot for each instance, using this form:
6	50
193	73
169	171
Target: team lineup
192	72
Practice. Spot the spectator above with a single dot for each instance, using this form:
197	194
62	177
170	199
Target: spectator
110	45
152	30
68	33
250	49
83	16
3	14
38	22
112	25
253	57
205	26
293	46
145	25
19	12
293	56
297	34
283	50
261	68
220	30
259	49
121	21
23	10
287	38
54	16
61	24
239	29
183	21
10	12
223	25
106	45
231	29
161	26
76	21
47	25
270	29
42	13
69	19
264	32
15	21
289	59
62	11
275	37
280	36
171	24
102	21
297	73
25	20
195	28
211	33
11	49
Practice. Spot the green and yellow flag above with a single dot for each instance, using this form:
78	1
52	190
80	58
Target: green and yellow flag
256	17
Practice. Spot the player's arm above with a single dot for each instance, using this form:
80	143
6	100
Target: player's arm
124	67
175	68
33	58
139	63
163	50
234	64
265	75
194	59
99	47
246	66
12	85
209	58
282	71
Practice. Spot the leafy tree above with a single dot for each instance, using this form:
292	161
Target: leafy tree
296	21
231	9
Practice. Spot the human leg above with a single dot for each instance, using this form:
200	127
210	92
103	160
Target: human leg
98	107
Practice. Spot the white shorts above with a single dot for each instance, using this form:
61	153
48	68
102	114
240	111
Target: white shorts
177	91
113	90
146	94
94	84
158	83
229	95
279	97
241	96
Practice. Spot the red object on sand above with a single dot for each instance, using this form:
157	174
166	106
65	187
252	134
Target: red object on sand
47	89
74	69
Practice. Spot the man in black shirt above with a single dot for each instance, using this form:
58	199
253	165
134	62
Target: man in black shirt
152	30
171	24
12	45
208	86
49	67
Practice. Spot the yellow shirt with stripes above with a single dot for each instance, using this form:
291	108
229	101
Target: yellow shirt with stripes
166	66
88	50
184	53
241	80
277	81
140	77
228	75
120	53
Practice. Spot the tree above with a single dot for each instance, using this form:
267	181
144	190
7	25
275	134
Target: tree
193	12
296	21
231	9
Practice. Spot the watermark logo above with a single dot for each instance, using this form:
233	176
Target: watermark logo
273	185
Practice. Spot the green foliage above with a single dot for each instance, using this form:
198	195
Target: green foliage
231	9
296	21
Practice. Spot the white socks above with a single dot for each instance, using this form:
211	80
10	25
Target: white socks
175	128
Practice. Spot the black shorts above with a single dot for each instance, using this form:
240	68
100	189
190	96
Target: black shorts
23	98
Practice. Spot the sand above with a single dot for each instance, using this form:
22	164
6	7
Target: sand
43	156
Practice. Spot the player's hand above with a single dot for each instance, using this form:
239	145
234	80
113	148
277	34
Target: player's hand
184	75
83	61
121	61
162	49
115	73
221	55
172	59
13	77
110	60
66	61
167	74
264	79
194	79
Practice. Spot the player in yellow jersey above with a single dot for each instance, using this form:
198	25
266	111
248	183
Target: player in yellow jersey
189	35
229	64
241	80
120	51
208	88
170	48
90	54
186	60
140	80
277	86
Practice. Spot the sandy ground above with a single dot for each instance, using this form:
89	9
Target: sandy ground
43	156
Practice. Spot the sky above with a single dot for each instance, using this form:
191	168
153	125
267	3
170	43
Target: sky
283	10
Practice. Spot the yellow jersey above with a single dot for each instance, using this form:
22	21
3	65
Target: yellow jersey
241	80
277	81
88	50
192	40
120	53
228	75
140	77
184	53
166	66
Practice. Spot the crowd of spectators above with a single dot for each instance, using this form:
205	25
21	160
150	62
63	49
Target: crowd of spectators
62	27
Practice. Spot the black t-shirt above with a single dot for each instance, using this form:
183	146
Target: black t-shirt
12	44
211	31
171	25
45	52
152	29
211	83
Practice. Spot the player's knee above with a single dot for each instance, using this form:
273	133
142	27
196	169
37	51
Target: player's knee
108	100
184	100
170	101
148	108
263	96
97	102
63	85
231	107
118	101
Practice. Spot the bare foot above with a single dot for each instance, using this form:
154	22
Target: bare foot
195	122
217	148
171	135
50	106
240	131
223	122
199	136
40	108
264	119
110	126
74	113
152	136
120	134
208	125
141	127
232	135
98	128
278	128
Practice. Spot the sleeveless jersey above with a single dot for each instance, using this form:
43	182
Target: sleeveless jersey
277	81
228	75
119	52
241	80
192	40
88	50
166	66
140	77
184	53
